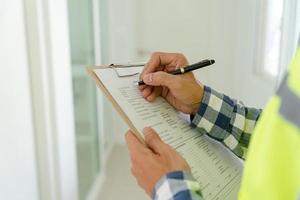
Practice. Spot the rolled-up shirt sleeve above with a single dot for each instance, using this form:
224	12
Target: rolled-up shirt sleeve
222	118
226	120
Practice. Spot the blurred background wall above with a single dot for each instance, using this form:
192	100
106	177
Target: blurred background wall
17	149
61	138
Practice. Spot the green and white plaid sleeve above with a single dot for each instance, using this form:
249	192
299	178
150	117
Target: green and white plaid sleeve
177	185
226	120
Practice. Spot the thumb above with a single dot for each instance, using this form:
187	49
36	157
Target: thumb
159	79
153	140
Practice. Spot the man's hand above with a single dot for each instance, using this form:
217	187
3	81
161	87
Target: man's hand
183	92
150	163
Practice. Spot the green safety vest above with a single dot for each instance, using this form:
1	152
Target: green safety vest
272	167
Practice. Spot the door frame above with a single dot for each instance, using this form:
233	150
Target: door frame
46	23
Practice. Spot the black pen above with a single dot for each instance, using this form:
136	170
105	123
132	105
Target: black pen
189	68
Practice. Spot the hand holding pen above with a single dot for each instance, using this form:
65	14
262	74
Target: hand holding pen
186	69
160	81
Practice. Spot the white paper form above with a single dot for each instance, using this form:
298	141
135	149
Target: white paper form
216	169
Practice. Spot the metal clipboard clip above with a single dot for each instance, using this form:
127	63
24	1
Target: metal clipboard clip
126	70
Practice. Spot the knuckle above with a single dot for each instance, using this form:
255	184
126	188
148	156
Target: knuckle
181	58
155	54
179	55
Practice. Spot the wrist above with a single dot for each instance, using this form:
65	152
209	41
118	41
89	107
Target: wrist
198	99
195	108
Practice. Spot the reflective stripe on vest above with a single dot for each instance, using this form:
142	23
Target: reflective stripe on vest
290	105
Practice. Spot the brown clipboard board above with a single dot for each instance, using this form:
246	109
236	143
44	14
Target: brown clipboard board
101	86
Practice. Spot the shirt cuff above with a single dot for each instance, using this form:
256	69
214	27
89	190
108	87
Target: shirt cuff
226	120
214	114
177	185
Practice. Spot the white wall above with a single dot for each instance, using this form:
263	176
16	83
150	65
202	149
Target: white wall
220	30
122	48
226	31
198	29
122	38
251	87
17	154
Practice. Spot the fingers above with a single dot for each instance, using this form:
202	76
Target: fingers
147	92
150	93
142	87
155	62
159	62
159	79
155	93
159	59
153	140
133	144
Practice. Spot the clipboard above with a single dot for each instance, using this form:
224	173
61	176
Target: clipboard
191	145
101	86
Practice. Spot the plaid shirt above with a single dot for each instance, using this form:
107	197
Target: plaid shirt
223	119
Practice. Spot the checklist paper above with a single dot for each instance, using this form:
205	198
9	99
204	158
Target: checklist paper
216	168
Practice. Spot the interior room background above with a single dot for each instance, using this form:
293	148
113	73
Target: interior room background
61	138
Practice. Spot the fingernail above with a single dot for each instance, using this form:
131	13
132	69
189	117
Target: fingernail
148	78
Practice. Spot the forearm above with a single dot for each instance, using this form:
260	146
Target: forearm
177	186
226	120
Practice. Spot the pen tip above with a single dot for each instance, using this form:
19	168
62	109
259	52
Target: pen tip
212	61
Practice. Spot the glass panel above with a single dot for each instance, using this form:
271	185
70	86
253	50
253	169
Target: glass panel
82	54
